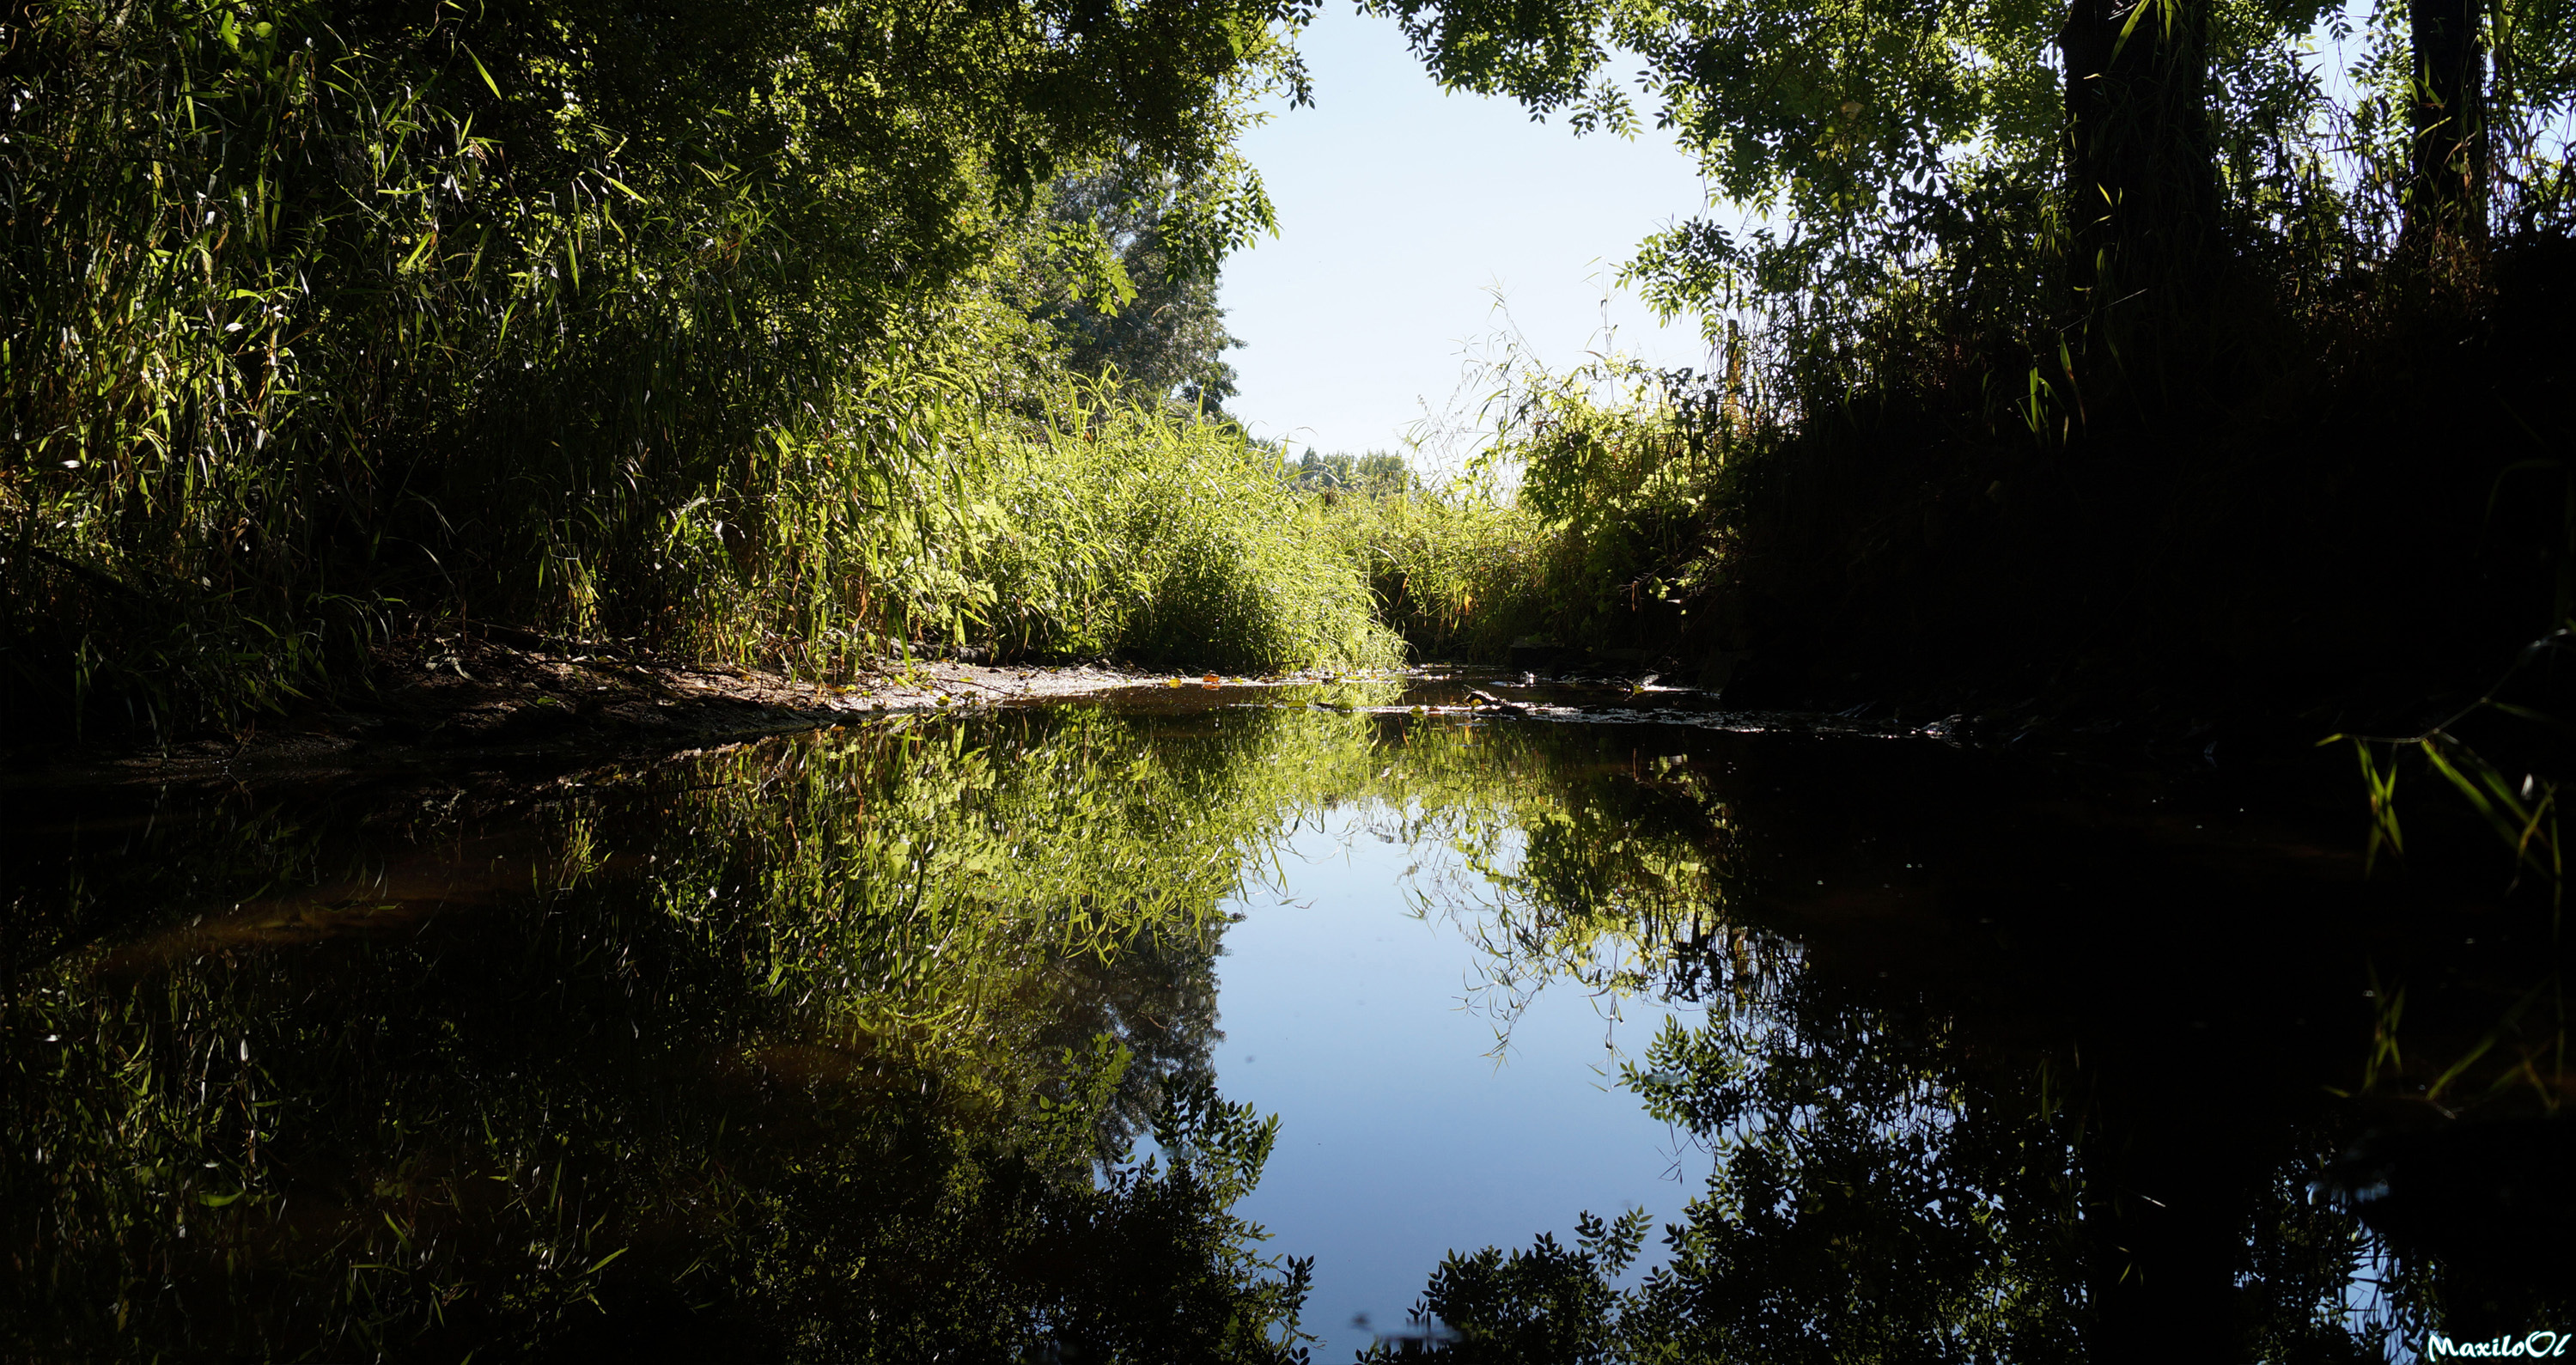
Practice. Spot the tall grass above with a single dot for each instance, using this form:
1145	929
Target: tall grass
1020	513
323	323
1160	537
1461	572
1591	511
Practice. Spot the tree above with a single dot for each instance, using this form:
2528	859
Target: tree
2460	99
1157	329
1376	474
2141	184
2010	158
2446	192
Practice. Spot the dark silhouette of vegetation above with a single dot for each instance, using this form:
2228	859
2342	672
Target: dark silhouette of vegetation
2046	1138
2100	354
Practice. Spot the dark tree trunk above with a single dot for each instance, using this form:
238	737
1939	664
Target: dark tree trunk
2446	193
2142	192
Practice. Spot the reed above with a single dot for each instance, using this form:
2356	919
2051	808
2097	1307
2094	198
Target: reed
1159	536
326	324
1459	572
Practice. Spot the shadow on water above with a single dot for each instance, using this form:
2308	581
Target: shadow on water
894	1042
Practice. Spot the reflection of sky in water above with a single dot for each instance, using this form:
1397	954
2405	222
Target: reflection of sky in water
1400	1138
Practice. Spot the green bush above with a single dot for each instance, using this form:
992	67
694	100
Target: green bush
327	321
1460	573
1114	529
1597	492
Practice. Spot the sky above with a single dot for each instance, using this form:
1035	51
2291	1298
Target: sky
1405	214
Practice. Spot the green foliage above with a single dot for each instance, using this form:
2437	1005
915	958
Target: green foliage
1627	467
1879	1192
1159	536
1888	1179
1458	571
828	1048
1622	475
324	319
2107	215
1905	1214
833	1046
1162	339
1623	885
825	1047
2530	51
1546	1305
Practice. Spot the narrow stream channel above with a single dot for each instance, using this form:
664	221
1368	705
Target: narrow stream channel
961	1036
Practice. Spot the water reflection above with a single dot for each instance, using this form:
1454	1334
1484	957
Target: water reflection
1418	1117
849	1045
822	1047
2096	1125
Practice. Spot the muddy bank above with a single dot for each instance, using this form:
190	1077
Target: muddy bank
506	698
504	693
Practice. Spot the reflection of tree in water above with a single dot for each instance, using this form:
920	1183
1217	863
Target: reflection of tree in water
1610	879
1158	998
807	1049
816	1047
803	1047
1870	1200
1882	1192
1892	1182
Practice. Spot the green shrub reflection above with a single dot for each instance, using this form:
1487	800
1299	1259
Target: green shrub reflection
893	1042
1882	1193
832	1047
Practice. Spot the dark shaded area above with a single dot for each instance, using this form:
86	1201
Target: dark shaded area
2364	544
2030	1059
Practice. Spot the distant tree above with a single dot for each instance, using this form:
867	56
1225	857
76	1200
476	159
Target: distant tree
1377	474
1156	324
1380	473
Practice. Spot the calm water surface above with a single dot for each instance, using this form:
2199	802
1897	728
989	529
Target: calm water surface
1004	1037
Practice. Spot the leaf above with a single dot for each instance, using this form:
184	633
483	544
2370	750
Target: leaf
489	83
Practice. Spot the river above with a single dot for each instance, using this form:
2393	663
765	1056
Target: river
1204	1023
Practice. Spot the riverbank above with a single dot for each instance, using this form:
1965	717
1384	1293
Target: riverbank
514	692
513	695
